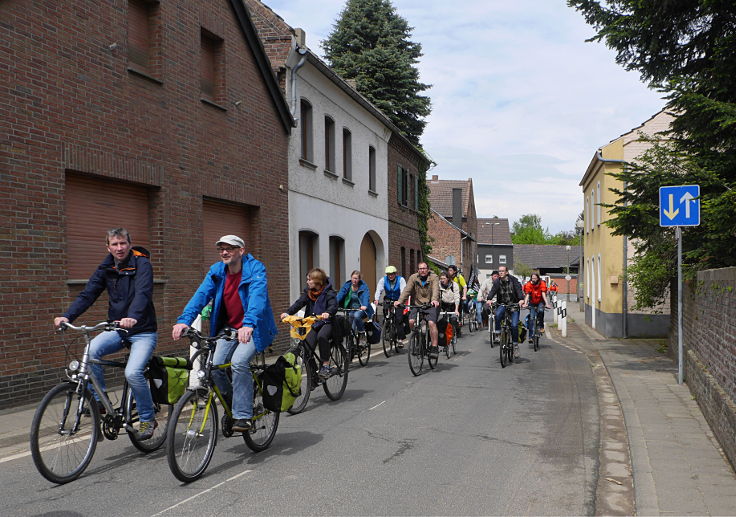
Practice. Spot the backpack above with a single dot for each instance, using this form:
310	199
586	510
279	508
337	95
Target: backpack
168	377
281	383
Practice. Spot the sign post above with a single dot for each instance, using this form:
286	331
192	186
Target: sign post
679	206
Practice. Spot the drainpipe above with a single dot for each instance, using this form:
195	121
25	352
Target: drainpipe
302	52
625	286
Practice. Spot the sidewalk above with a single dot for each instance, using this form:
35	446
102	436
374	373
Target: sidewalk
678	468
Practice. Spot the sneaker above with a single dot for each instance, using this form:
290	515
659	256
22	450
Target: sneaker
324	372
242	425
541	330
434	352
146	429
531	340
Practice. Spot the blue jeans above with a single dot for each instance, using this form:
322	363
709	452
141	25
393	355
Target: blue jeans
536	311
479	312
514	322
356	320
141	348
241	390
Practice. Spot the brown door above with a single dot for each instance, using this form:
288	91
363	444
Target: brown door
368	262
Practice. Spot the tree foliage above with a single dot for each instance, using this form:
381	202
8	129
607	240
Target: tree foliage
528	230
687	50
370	43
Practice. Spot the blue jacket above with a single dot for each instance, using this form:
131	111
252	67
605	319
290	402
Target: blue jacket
364	295
129	288
253	290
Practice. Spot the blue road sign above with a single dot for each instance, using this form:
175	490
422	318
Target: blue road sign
679	206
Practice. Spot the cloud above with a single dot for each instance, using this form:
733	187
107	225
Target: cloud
520	100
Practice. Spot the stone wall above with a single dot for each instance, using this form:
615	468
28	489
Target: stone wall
709	341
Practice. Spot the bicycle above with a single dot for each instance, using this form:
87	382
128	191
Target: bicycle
334	385
192	434
506	346
471	314
534	333
389	337
492	324
419	342
449	347
68	422
356	345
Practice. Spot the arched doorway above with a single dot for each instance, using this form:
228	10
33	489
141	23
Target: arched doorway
368	262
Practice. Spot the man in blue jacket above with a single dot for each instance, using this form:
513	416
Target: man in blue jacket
127	275
238	288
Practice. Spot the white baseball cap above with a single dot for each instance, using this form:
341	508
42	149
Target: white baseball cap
232	240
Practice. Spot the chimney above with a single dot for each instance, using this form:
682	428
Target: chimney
435	178
301	37
457	207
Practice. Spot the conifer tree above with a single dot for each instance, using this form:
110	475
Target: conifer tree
370	43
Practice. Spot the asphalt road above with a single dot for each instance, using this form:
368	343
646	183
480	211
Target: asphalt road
468	438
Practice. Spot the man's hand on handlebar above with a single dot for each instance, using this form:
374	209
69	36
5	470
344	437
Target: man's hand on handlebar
179	330
58	321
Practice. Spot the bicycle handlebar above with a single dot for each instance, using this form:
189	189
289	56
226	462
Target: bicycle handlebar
103	325
195	335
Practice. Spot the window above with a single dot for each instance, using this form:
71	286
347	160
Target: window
598	204
329	144
371	169
412	264
212	60
143	36
600	278
416	192
403	262
308	253
489	259
592	210
225	218
586	216
402	184
306	131
347	154
337	260
502	259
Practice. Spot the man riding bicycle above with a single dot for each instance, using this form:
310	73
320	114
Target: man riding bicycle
127	275
389	289
508	290
238	288
536	298
424	289
459	280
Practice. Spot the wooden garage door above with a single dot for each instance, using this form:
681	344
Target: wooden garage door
94	206
223	218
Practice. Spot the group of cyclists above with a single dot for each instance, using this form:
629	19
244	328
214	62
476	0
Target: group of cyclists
237	288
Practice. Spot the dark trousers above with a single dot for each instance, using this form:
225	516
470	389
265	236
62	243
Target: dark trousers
322	337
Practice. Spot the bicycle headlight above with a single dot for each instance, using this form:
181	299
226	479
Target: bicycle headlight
73	365
200	374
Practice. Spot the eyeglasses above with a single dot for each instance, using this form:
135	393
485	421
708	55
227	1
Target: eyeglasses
229	249
423	268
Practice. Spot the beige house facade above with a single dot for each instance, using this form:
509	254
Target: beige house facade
608	297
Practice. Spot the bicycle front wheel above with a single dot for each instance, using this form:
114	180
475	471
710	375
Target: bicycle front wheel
265	423
300	402
536	342
162	414
63	439
491	327
427	347
363	349
416	357
503	346
335	384
191	435
387	338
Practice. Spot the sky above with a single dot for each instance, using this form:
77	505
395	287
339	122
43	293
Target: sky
520	101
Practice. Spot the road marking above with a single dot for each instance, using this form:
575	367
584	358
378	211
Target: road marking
202	493
44	448
379	404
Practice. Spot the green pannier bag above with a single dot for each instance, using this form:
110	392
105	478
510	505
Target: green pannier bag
281	383
169	378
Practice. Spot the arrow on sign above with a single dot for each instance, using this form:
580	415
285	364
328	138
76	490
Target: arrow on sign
686	197
672	213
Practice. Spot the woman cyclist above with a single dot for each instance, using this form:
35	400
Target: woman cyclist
318	299
355	294
450	298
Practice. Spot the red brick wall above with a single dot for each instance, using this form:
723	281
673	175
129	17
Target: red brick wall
68	102
402	221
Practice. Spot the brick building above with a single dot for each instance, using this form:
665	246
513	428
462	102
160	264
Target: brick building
162	117
494	245
454	201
